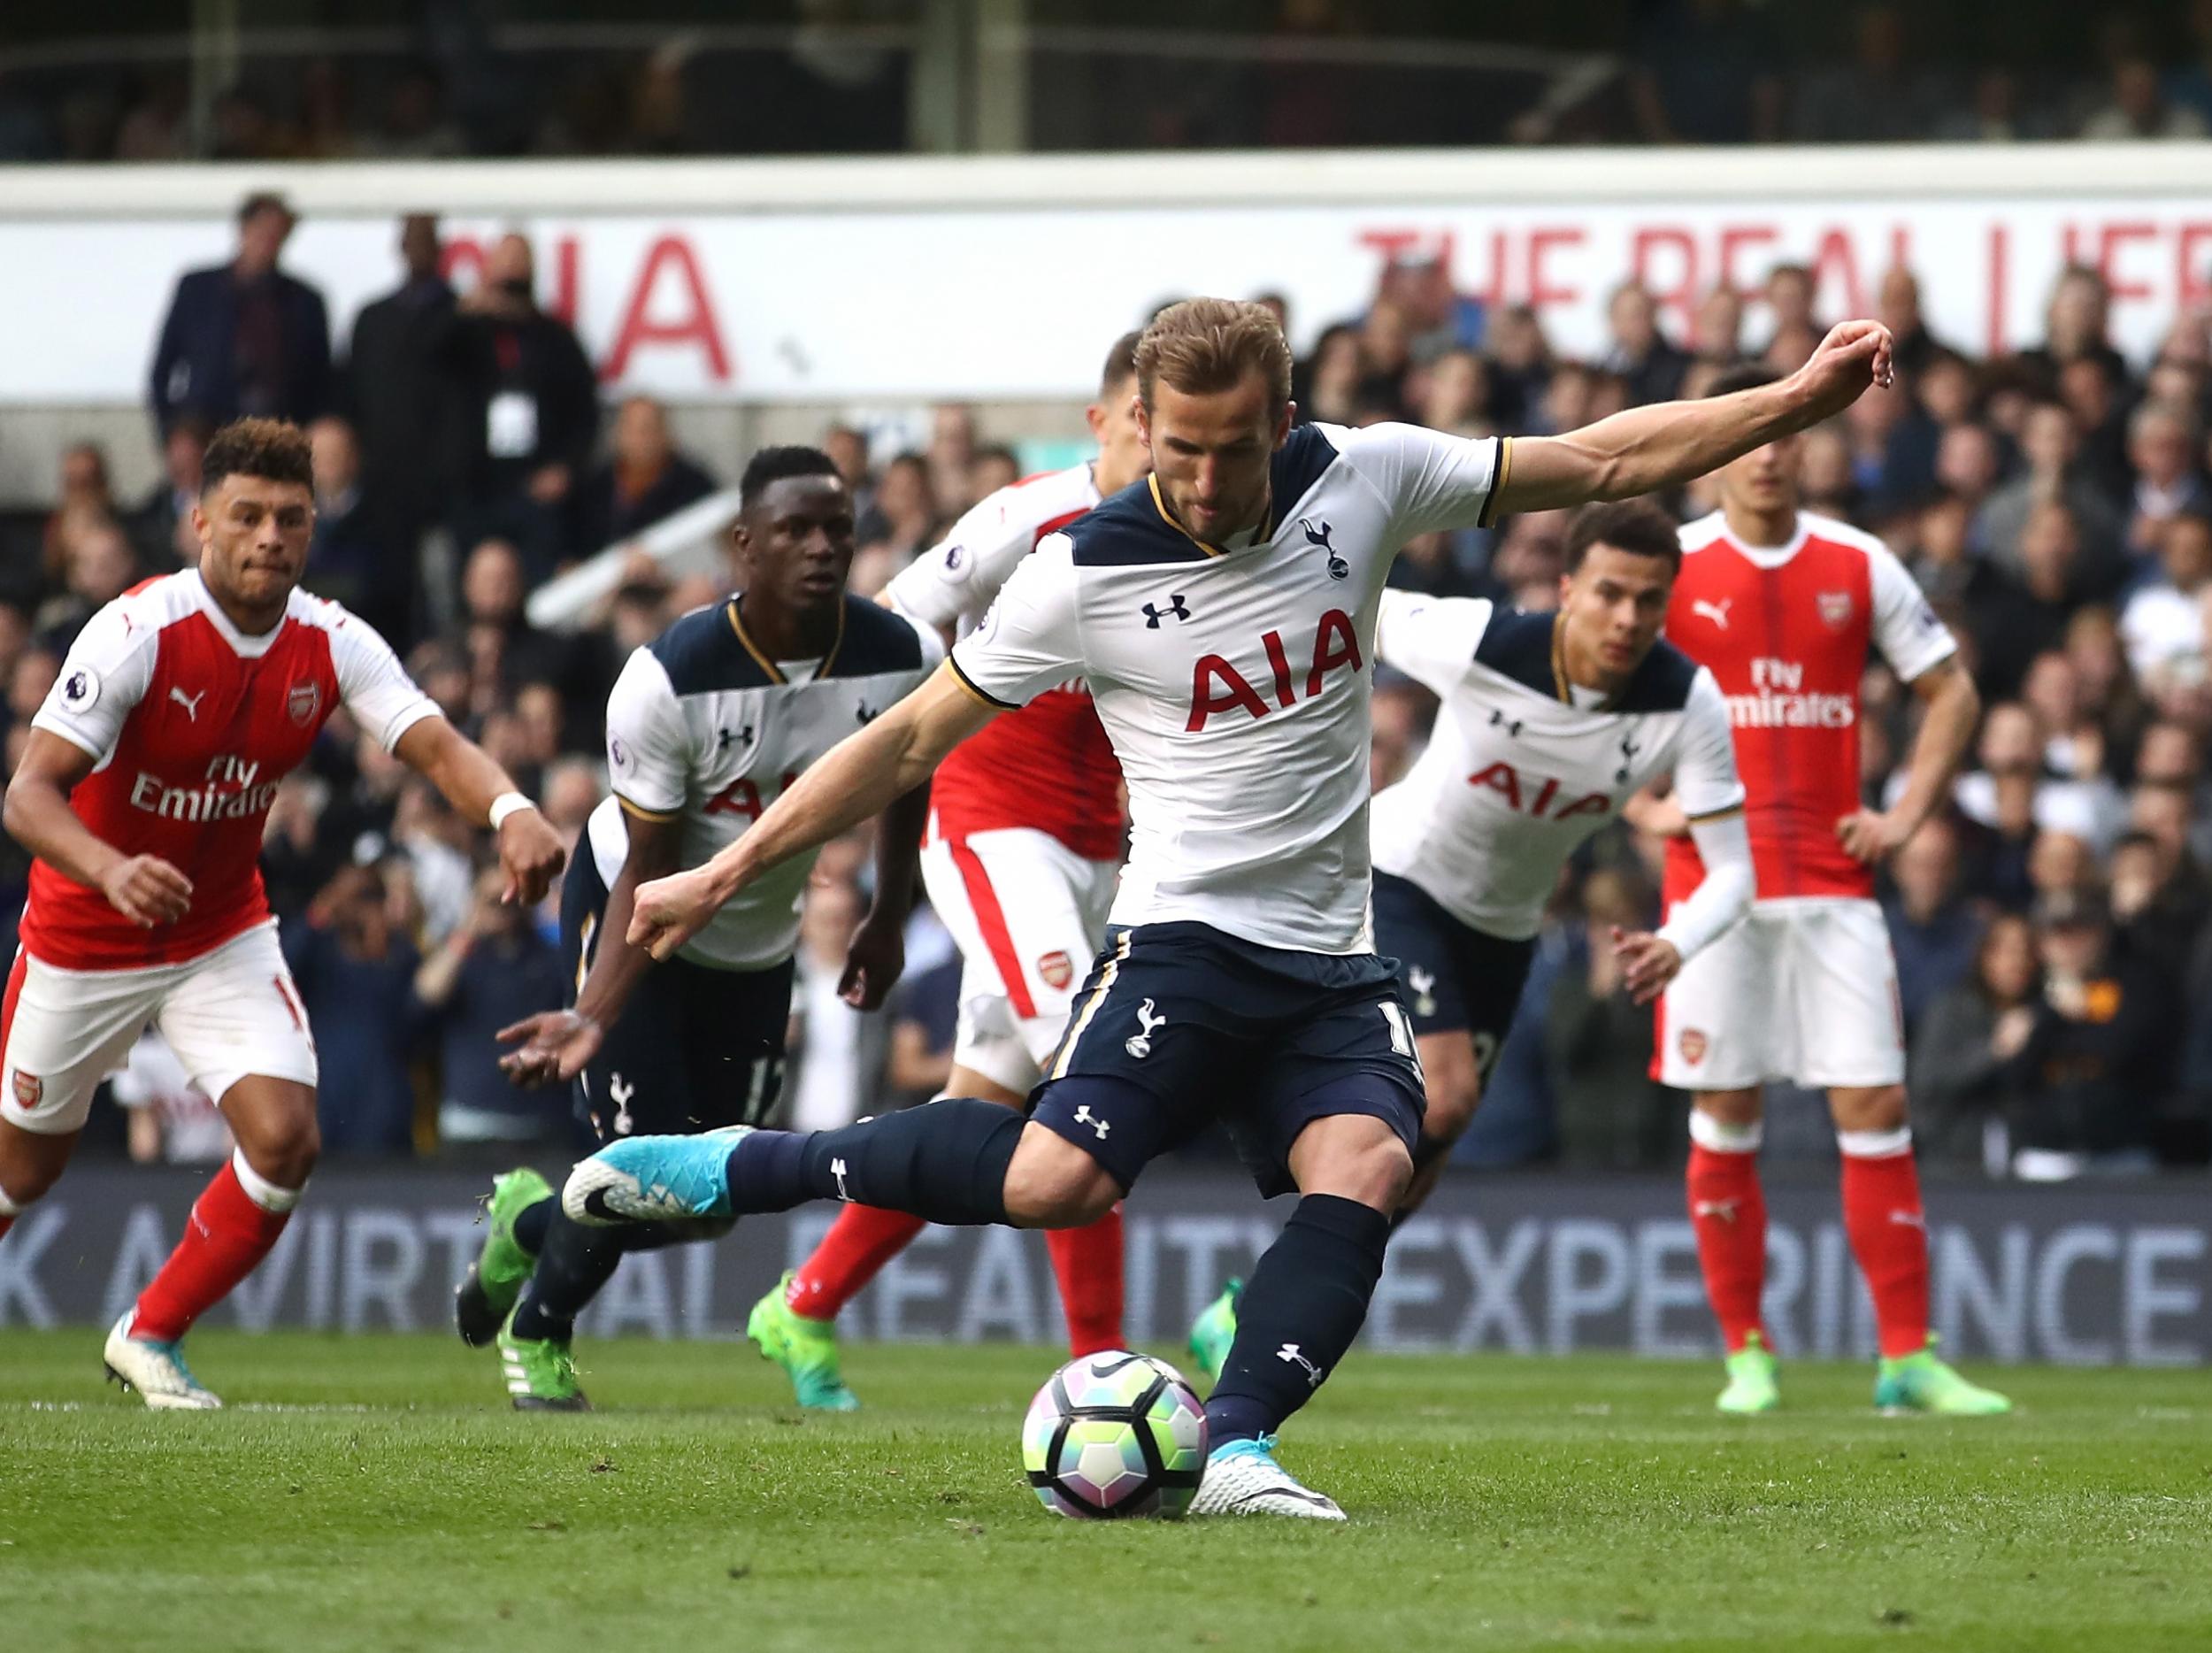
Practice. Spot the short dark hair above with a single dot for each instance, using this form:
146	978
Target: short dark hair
1203	346
1635	526
773	464
1741	376
1121	363
273	447
263	200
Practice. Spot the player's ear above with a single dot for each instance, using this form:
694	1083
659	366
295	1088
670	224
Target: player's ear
1283	422
1094	416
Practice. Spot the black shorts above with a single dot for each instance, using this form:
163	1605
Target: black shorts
1180	1024
1453	977
693	1048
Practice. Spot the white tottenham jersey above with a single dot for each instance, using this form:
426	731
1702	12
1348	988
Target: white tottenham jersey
1234	680
705	728
1517	775
951	585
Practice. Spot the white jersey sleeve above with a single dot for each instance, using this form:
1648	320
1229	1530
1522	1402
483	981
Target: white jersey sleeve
1032	638
104	674
1431	640
1706	783
1906	629
956	579
372	686
649	756
1429	479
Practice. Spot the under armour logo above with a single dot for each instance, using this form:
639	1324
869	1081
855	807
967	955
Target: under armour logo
1424	985
724	738
1499	720
1084	1116
621	1090
1339	568
1716	612
190	702
1154	614
837	1170
1140	1045
1289	1353
1724	1210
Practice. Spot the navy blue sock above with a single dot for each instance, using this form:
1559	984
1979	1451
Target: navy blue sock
573	1263
532	1222
1305	1305
945	1161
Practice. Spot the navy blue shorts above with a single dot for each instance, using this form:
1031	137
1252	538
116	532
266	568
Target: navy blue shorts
1453	977
1180	1024
692	1049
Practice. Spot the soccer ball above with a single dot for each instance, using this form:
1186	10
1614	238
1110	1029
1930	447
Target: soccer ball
1115	1433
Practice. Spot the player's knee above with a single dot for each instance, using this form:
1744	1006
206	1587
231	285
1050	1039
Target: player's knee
1876	1108
22	1184
1054	1184
283	1151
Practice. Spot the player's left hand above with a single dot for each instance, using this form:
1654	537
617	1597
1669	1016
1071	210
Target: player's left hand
531	853
874	963
1870	836
556	1045
1648	963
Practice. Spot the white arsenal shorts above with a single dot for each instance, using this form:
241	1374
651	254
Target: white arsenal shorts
228	1013
1028	913
1804	989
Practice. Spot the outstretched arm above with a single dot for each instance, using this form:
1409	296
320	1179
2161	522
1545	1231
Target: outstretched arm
857	778
1646	450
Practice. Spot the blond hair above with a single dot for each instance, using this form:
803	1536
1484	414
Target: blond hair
1203	346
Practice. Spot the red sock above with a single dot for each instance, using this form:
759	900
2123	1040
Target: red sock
861	1240
227	1234
1088	1261
6	1223
1889	1235
1728	1210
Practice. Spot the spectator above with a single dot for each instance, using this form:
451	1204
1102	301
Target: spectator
243	338
2023	616
950	457
2078	323
904	521
172	1121
1797	333
2161	448
529	402
414	126
837	1052
1705	75
82	492
504	650
2140	109
643	480
1597	1045
1897	307
399	395
100	567
2158	902
1641	354
355	972
492	971
2051	442
1994	114
162	525
1932	926
354	558
1326	384
1716	326
2163	624
925	1019
2091	1075
995	466
1876	95
1965	1043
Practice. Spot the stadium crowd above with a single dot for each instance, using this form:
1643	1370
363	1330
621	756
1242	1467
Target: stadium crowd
837	78
2051	929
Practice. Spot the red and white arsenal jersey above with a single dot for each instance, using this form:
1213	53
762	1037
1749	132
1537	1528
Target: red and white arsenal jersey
1047	766
194	724
1787	630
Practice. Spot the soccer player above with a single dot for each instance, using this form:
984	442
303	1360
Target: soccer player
1025	841
1783	606
149	770
1549	725
1224	612
731	704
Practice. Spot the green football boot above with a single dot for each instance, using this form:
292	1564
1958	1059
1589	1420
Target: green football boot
485	1299
1919	1382
540	1373
1213	1330
805	1349
1751	1384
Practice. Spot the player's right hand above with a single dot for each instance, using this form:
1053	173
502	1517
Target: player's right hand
147	890
1855	355
557	1045
669	911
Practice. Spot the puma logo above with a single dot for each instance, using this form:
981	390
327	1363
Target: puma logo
1910	1220
190	702
1716	612
1724	1210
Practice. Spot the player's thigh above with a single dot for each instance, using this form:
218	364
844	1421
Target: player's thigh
235	1012
1351	1056
62	1032
1850	1021
1722	1021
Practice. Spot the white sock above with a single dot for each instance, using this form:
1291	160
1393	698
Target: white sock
1718	1137
259	1190
1876	1144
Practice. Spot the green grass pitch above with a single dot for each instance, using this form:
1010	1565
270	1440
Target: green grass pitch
376	1492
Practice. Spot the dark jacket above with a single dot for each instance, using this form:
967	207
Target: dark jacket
204	362
603	516
399	396
536	358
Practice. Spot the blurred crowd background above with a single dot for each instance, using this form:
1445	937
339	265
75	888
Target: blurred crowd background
2056	505
438	79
